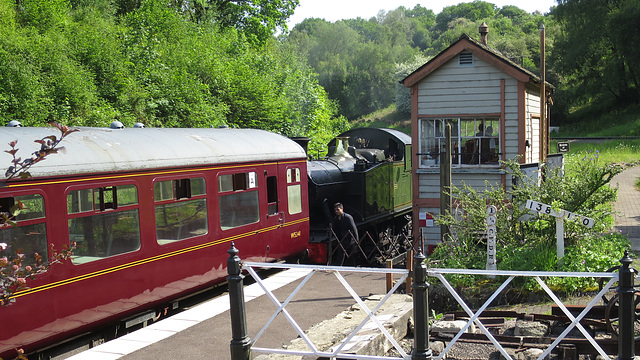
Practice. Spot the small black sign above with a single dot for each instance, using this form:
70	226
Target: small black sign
563	146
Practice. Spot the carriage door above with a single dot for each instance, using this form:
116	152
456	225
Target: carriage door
284	194
274	211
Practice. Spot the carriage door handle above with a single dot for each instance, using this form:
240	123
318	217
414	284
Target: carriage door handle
281	220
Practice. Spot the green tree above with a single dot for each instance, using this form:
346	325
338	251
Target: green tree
596	53
355	59
7	16
257	19
422	20
403	94
152	64
43	14
476	10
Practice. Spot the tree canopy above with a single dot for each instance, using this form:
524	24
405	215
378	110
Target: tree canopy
356	59
86	63
233	62
597	52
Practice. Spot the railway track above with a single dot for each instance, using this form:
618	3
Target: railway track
503	323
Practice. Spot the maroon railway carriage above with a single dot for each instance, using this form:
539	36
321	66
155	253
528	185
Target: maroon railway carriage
153	213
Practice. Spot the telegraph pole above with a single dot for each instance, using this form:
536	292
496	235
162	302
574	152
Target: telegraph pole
544	126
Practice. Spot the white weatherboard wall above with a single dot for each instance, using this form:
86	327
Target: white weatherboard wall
429	180
452	89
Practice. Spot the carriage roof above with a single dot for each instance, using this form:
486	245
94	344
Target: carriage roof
100	150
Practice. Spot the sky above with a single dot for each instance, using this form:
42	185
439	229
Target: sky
333	10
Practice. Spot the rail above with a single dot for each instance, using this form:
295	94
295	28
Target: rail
241	344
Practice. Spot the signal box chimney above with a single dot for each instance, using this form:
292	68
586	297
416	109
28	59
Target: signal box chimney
484	30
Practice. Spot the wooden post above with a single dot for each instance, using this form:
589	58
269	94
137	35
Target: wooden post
445	181
409	263
560	237
544	126
389	265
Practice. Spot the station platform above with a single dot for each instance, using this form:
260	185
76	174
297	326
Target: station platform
204	332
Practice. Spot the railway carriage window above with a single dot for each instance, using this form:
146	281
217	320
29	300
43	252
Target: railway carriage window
181	209
239	204
293	175
163	190
127	195
294	192
103	222
80	201
29	233
272	195
178	189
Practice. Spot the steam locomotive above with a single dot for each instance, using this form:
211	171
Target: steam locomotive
368	170
154	211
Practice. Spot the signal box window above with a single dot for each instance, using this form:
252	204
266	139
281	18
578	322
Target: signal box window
26	231
239	203
474	141
294	191
181	209
103	222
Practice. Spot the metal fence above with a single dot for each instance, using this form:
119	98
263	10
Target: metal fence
241	345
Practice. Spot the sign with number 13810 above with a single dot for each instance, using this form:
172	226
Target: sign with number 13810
564	214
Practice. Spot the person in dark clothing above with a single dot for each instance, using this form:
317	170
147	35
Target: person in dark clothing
345	230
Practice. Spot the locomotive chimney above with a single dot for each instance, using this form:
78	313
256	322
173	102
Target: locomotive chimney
303	141
484	30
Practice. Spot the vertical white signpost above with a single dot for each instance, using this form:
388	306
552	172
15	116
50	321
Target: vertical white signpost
560	216
492	211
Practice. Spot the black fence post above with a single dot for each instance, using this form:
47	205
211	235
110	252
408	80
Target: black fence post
240	341
420	287
626	309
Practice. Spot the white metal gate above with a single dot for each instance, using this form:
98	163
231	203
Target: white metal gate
537	275
337	271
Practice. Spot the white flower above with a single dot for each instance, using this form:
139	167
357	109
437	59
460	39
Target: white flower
3	246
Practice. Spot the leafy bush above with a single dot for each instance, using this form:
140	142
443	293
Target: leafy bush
527	241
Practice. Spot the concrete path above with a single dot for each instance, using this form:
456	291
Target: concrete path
627	221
